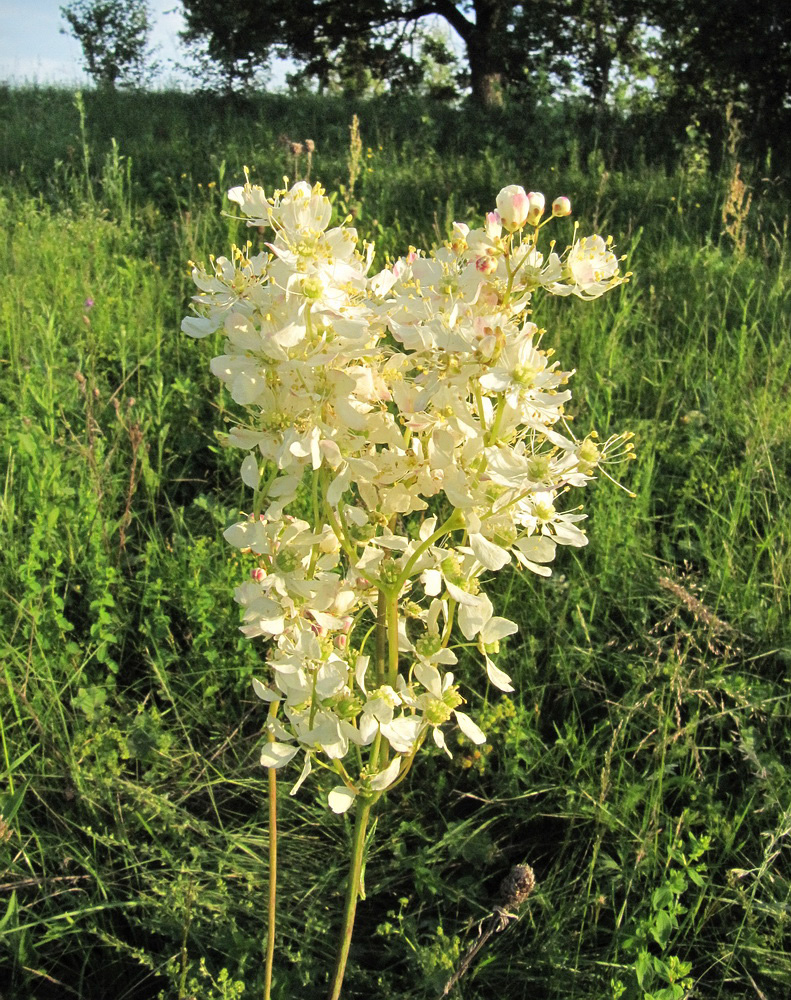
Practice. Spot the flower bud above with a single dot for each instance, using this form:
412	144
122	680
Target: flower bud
493	225
258	574
536	208
539	467
389	569
561	207
486	265
313	287
513	206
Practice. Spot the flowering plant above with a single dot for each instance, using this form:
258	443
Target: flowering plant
405	436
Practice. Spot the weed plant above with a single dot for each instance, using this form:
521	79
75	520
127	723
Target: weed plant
642	766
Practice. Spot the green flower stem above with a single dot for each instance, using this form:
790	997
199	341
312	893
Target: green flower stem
346	545
386	667
270	930
511	275
449	626
381	638
479	405
352	895
392	638
380	752
494	430
451	524
263	489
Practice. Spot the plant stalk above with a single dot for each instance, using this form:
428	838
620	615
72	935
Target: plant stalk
270	930
352	895
381	638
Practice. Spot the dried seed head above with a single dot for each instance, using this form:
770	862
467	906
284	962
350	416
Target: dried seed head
516	887
296	148
310	145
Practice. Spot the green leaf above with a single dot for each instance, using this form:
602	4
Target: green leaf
642	966
662	928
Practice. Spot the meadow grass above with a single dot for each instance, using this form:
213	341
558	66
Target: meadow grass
641	765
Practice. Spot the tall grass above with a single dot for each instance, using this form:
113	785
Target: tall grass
641	767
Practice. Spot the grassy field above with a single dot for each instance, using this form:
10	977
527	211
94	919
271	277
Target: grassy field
642	765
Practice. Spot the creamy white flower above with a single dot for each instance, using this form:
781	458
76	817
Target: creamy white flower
591	269
363	430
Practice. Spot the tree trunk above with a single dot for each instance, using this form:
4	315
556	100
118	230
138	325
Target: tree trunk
483	47
487	87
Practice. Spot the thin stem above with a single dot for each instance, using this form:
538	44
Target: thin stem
479	406
451	524
494	430
381	638
352	895
263	489
346	545
381	748
392	638
270	931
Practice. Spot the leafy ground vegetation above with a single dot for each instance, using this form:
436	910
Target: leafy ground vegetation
641	766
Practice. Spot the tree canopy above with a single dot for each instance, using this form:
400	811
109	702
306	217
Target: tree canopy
114	37
693	57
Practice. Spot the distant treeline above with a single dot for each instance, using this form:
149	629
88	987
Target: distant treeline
691	59
173	133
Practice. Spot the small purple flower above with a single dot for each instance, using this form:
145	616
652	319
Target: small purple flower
88	304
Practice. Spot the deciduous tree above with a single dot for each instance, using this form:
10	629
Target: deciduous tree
114	35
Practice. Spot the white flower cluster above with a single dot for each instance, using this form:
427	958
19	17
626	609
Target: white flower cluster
415	423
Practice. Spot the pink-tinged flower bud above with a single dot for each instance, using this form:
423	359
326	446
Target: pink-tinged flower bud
536	209
347	621
513	206
486	265
258	574
561	207
341	641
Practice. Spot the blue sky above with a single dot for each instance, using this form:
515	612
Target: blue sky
32	48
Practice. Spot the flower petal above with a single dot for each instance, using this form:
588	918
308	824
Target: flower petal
386	778
498	628
306	769
487	553
277	754
340	799
251	474
429	678
263	692
498	677
468	727
439	739
472	618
